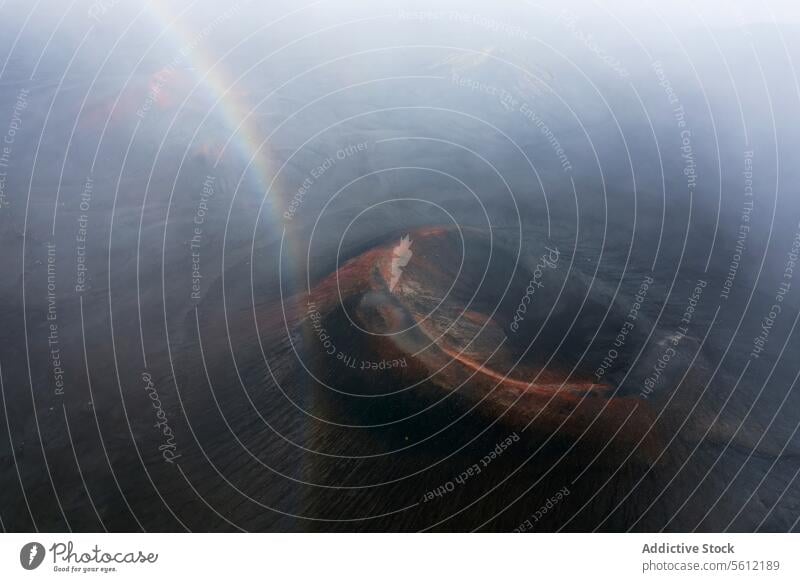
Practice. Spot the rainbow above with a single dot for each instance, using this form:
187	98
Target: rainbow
233	111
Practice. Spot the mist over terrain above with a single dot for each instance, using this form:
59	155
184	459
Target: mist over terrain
381	266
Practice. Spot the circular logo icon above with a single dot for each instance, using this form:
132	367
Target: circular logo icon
31	555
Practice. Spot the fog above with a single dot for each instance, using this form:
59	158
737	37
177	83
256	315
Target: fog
198	200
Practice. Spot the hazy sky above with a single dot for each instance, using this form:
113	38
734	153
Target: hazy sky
687	12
